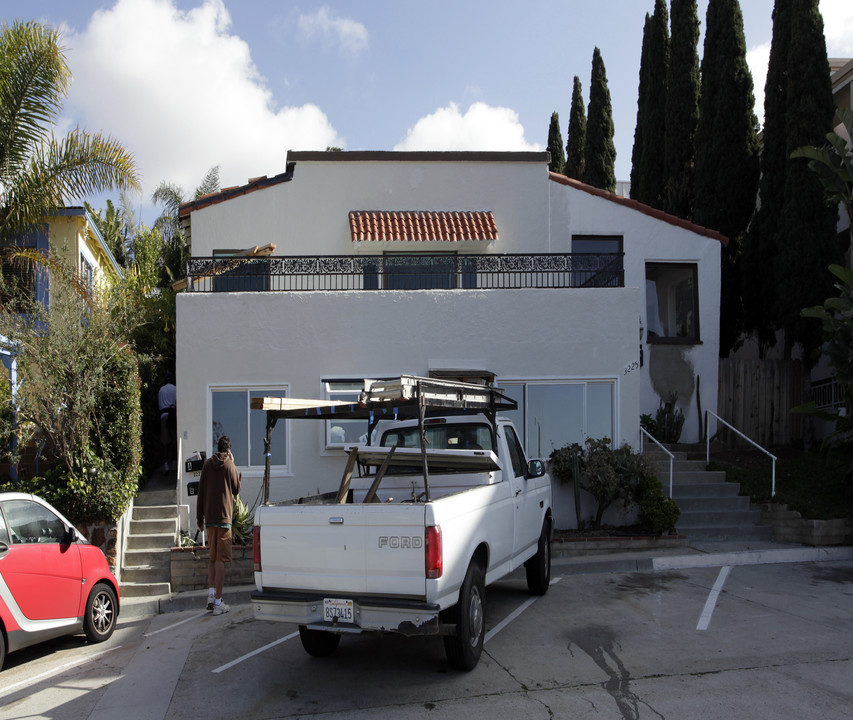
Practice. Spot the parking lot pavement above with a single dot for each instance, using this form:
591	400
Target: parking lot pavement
761	640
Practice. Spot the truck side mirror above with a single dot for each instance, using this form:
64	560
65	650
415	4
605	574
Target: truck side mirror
535	469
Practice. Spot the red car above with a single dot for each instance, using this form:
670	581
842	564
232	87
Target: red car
52	581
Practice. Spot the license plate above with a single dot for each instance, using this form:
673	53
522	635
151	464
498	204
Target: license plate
340	610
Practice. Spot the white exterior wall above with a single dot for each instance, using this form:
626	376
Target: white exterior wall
297	339
646	239
309	215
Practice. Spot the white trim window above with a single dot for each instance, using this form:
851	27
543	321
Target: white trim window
344	433
231	414
554	413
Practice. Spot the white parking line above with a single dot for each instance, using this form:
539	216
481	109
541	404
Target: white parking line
711	602
174	625
56	670
222	668
514	614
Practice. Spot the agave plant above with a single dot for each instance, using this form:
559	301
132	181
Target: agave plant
241	522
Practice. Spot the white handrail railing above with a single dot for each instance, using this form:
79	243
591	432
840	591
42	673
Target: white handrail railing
643	431
751	442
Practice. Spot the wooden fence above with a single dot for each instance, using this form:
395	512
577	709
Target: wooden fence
756	396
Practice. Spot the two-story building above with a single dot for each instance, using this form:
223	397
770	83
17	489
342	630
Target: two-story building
586	307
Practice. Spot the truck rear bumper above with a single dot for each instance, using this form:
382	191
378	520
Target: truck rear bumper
407	617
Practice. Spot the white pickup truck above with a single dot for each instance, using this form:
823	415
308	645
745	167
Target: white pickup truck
440	507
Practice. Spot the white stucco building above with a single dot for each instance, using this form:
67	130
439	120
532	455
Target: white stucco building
586	307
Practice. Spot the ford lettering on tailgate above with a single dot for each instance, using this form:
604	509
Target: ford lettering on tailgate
398	542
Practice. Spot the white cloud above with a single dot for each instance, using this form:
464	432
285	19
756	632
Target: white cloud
481	128
758	59
181	93
838	27
350	35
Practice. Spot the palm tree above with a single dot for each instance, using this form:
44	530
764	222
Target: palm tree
38	171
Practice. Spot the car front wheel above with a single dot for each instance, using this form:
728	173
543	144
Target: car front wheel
101	613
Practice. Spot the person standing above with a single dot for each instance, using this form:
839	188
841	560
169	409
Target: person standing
166	401
218	484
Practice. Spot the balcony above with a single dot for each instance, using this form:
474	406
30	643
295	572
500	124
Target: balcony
404	271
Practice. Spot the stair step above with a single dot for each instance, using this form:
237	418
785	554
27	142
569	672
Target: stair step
154	512
718	518
723	532
154	527
693	476
143	558
151	541
157	497
133	589
733	503
706	490
146	574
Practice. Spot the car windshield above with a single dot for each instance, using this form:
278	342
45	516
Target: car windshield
442	436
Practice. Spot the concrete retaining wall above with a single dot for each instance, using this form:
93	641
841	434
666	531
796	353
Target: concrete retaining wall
189	567
789	526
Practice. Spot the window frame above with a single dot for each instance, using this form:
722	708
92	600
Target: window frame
330	393
249	469
690	339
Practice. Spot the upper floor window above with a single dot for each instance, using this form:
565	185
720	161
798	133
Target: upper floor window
18	283
237	274
597	261
87	272
672	302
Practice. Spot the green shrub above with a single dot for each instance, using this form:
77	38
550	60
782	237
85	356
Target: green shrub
241	522
658	513
667	424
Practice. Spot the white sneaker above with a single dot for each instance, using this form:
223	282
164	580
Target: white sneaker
220	609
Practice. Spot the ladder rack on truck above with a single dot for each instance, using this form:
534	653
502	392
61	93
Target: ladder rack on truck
404	398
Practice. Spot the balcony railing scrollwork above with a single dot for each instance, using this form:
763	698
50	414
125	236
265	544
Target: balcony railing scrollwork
404	272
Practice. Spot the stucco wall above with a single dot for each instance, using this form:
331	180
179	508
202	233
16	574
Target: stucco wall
297	339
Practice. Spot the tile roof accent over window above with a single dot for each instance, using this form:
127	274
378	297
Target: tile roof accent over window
422	226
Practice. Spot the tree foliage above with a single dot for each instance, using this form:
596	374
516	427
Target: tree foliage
576	137
599	150
647	171
555	145
79	393
682	110
38	171
726	153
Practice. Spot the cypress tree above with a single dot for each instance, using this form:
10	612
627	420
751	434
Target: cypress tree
682	109
599	150
555	145
637	176
761	243
651	110
808	233
576	138
726	152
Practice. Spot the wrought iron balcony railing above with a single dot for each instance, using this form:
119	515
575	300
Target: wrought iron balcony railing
404	271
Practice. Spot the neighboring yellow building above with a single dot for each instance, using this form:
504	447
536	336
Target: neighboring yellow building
74	237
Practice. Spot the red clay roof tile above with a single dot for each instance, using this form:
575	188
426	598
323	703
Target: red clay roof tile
421	226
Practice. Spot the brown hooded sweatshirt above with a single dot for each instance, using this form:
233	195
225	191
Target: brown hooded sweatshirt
218	485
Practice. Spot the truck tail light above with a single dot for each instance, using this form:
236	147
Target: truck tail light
256	548
433	552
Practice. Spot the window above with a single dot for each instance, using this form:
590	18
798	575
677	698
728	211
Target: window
241	273
672	302
552	414
30	522
87	272
18	283
419	271
515	453
597	261
344	433
232	416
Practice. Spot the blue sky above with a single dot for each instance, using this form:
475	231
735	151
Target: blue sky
189	84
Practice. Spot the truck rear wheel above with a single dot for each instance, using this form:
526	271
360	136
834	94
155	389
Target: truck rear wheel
465	646
538	568
318	643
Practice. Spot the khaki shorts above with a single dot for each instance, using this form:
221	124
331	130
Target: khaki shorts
219	540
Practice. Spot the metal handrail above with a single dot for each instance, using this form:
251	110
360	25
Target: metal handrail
643	431
751	442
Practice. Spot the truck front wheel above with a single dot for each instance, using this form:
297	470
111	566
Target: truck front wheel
465	646
539	566
318	643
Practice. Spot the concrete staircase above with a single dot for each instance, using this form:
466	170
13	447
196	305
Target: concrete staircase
153	529
711	508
